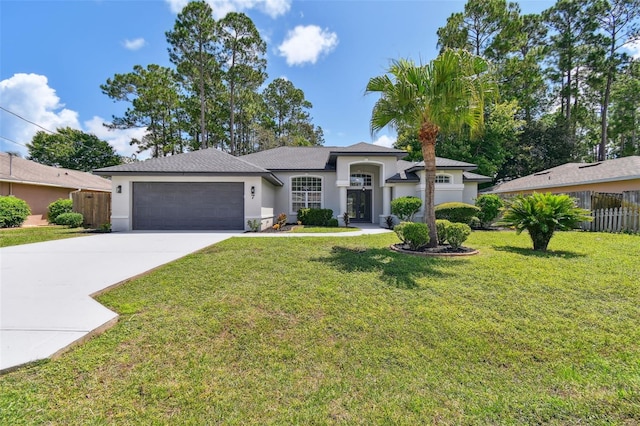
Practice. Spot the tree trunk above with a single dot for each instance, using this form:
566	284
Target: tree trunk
427	136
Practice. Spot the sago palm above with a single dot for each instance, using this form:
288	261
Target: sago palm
448	94
543	214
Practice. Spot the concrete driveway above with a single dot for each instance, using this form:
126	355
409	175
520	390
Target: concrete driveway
45	288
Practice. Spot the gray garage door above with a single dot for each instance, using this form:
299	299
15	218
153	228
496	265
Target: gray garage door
188	205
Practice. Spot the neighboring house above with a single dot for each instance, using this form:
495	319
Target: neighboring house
612	176
40	185
209	189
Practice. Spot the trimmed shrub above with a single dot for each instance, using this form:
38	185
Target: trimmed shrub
13	211
315	217
457	233
333	223
416	235
72	220
543	214
61	205
399	230
456	212
441	230
489	205
405	207
389	221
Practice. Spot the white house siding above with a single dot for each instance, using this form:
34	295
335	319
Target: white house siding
121	203
470	192
282	194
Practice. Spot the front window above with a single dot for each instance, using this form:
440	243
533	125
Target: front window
443	179
359	179
306	192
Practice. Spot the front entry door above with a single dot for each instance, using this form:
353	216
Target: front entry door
359	205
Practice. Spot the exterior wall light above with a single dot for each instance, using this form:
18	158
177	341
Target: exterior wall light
119	189
253	191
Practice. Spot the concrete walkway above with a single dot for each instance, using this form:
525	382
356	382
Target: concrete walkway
45	288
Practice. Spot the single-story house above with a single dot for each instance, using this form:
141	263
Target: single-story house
611	176
210	189
40	185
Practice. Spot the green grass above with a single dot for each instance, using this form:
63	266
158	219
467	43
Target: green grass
37	234
344	331
322	229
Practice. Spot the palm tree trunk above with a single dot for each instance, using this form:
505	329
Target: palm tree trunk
427	136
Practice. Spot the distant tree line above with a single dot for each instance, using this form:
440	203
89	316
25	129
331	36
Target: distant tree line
211	96
569	90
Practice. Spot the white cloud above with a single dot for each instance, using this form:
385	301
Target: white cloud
305	44
273	8
134	44
29	96
119	139
385	140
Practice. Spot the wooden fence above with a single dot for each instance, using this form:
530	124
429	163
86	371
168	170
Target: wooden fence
619	219
94	206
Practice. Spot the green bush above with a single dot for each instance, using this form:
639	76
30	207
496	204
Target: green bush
72	220
441	230
13	211
315	217
457	233
333	223
543	214
456	212
399	230
62	205
490	206
405	207
416	235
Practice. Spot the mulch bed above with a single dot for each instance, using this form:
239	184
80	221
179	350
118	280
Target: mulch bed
444	250
286	228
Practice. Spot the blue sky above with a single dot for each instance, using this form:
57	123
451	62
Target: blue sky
54	55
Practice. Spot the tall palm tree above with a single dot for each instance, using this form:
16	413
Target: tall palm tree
448	94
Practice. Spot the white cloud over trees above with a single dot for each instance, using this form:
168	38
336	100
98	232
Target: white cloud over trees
30	97
135	44
306	44
272	8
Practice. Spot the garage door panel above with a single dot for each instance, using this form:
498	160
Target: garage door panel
188	205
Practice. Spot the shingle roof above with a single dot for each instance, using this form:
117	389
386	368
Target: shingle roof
203	162
316	157
447	163
292	158
474	177
402	175
570	174
20	170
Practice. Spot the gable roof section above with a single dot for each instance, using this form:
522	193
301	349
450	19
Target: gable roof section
572	174
197	163
447	164
19	170
318	158
292	158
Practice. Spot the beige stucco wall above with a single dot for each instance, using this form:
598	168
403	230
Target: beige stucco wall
613	187
37	197
121	203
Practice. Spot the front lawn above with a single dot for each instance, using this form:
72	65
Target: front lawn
37	234
344	331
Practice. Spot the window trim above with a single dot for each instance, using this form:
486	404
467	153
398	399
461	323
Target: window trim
291	192
369	175
450	178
